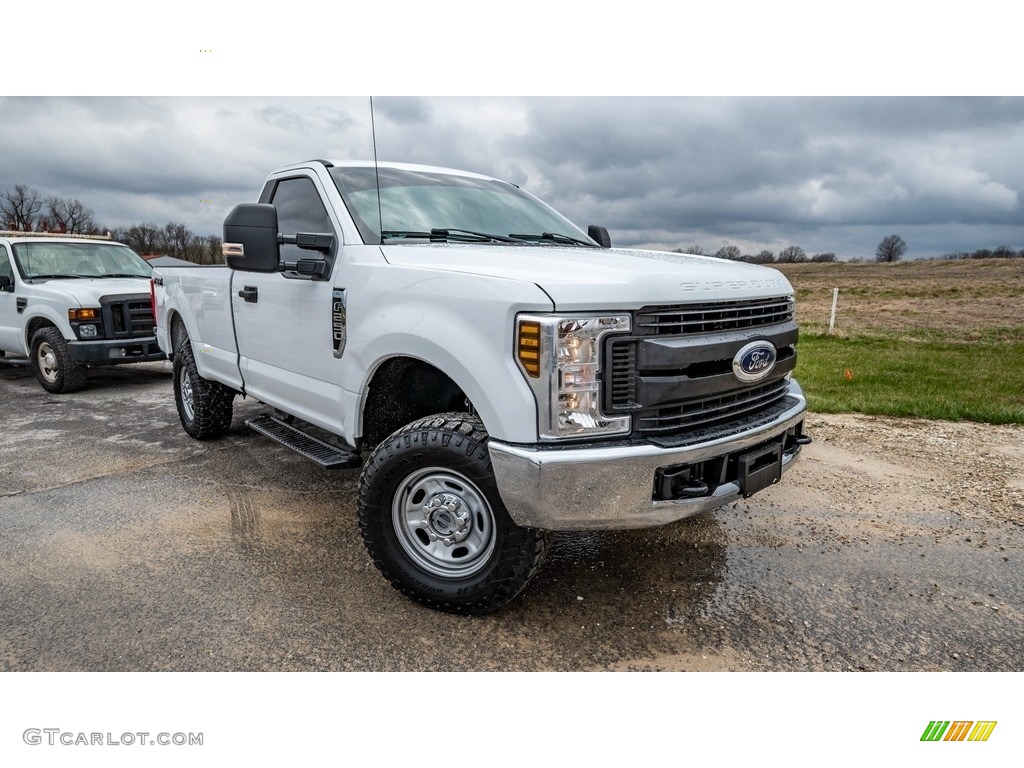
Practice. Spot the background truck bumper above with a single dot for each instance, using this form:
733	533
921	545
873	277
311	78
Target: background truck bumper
615	487
106	352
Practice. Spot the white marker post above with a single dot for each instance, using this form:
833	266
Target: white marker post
835	301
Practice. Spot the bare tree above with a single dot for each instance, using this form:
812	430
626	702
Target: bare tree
891	248
694	250
793	254
209	250
731	252
142	238
764	257
177	240
70	216
21	208
824	257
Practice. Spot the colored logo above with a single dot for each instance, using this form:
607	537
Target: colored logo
754	361
958	730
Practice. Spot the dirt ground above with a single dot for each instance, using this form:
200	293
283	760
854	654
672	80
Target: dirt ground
891	545
968	300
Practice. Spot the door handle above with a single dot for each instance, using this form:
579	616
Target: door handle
250	293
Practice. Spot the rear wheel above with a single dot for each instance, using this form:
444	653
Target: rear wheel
52	363
204	406
433	521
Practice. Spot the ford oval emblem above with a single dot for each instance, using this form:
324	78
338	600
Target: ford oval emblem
754	362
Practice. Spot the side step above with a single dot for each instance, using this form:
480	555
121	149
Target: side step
326	455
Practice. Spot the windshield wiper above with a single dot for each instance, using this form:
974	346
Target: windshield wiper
555	237
120	274
439	235
54	277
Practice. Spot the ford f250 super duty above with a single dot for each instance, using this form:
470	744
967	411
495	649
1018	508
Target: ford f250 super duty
497	372
69	302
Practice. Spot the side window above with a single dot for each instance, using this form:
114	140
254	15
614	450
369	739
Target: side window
6	270
299	209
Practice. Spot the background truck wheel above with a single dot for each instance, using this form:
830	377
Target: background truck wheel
204	407
52	363
433	521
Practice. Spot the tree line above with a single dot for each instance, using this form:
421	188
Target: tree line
890	248
25	210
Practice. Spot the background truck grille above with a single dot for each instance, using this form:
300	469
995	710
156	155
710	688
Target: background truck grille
128	317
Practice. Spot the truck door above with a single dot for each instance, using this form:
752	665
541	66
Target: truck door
10	328
283	321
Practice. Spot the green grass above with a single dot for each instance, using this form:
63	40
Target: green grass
980	381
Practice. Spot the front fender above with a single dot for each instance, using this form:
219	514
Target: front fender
463	325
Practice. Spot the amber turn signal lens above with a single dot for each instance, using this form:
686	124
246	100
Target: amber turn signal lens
528	347
83	314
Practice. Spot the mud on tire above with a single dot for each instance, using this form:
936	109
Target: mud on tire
52	363
204	407
434	524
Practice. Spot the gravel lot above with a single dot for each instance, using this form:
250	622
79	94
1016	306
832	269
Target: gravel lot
125	545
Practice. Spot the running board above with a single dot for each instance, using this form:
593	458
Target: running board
326	455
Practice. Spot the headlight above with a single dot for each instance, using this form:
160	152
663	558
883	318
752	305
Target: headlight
561	359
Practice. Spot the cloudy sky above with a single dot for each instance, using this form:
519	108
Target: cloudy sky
827	174
676	165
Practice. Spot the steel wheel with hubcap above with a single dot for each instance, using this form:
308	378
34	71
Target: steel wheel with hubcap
443	522
51	361
433	521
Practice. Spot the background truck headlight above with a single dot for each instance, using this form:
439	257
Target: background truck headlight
561	359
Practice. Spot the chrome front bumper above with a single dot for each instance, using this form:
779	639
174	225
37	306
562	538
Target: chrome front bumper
590	488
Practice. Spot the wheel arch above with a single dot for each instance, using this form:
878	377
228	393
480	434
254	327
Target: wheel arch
37	322
178	331
424	390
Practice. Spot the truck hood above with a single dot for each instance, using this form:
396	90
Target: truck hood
590	278
87	291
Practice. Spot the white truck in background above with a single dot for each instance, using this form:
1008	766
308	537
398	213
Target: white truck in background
497	372
70	302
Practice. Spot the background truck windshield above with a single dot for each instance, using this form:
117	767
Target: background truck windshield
44	259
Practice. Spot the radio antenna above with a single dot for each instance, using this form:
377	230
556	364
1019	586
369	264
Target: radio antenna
376	174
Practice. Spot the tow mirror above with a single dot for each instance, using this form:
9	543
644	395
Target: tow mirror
251	242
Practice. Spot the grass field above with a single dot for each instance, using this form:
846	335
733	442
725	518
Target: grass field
936	339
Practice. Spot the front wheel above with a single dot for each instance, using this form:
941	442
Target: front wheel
433	521
52	363
204	406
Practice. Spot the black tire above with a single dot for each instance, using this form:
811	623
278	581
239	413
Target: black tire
204	406
52	363
439	469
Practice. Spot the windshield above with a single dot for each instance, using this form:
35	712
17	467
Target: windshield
78	260
413	204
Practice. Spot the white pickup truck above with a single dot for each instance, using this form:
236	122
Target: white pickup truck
69	302
503	373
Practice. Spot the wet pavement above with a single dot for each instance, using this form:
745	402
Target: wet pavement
126	545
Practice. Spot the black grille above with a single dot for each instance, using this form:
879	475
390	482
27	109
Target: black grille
687	319
128	317
674	372
623	377
700	413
